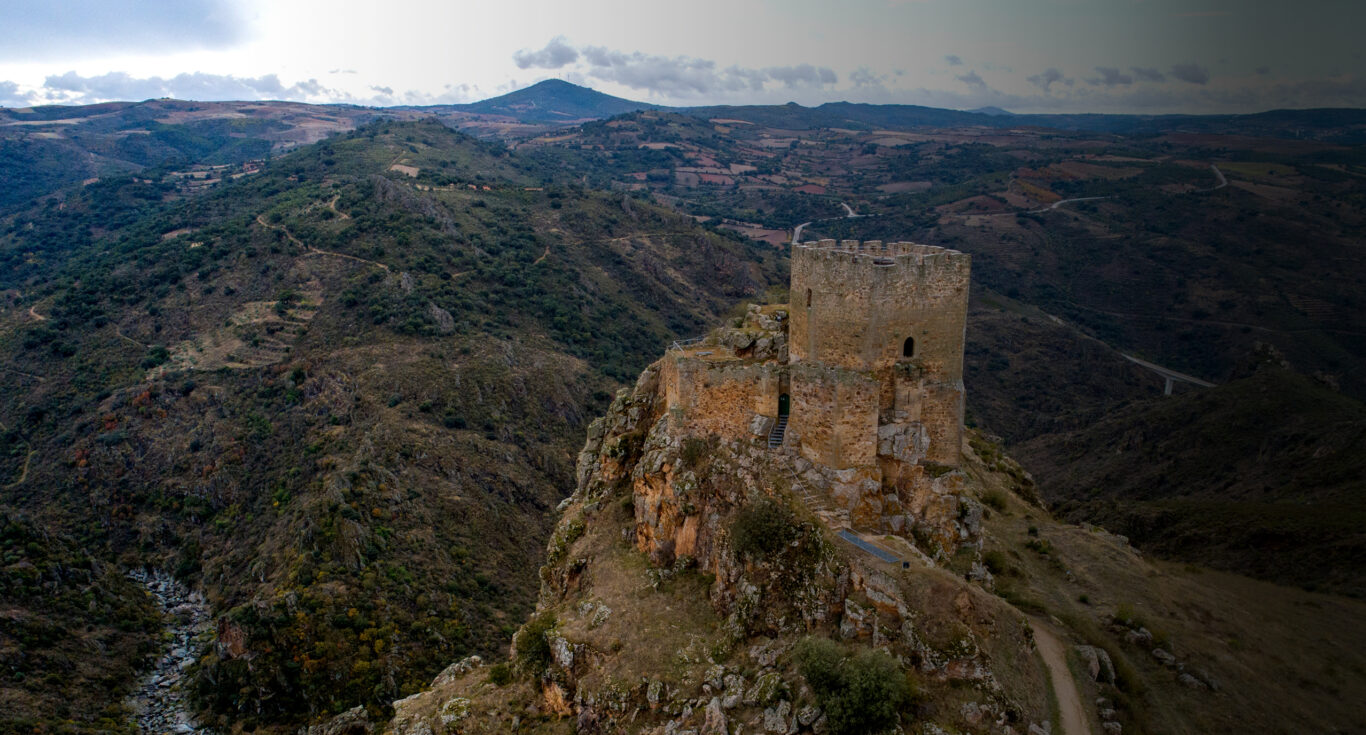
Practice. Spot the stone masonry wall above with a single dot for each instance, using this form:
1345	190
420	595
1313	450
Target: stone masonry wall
834	416
719	398
855	304
864	303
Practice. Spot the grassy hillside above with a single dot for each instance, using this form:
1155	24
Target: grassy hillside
1262	476
341	395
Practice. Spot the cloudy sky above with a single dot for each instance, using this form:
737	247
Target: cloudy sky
1022	55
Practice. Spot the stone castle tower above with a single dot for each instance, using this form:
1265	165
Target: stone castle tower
859	379
876	350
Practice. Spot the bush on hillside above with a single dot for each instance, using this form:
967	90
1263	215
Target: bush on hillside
763	529
863	692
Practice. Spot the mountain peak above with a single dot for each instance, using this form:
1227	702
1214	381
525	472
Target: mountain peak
557	101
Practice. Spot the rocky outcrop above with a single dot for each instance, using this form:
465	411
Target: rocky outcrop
160	704
687	566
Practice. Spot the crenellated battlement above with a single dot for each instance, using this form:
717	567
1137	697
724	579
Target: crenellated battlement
877	248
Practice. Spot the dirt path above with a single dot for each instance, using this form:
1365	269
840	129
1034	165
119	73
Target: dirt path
32	311
23	473
310	250
332	205
1054	655
543	256
119	331
38	378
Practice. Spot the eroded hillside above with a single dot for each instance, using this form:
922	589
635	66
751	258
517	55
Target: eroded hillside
341	396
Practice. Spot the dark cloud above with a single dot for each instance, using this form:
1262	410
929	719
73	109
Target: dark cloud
972	79
1263	70
1111	77
954	60
67	29
670	76
75	89
1193	73
1046	78
556	54
864	77
1143	74
802	75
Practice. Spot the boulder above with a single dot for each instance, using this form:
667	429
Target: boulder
714	719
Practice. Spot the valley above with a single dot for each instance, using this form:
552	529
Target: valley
332	367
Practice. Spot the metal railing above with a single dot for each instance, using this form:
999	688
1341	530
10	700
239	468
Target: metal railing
679	345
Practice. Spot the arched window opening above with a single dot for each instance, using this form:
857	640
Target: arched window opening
808	298
908	349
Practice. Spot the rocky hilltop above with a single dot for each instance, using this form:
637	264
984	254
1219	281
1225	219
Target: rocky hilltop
689	587
702	584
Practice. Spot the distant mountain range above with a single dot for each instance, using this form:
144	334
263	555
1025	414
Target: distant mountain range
558	101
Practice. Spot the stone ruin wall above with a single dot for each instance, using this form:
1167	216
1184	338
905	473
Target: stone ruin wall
718	398
834	416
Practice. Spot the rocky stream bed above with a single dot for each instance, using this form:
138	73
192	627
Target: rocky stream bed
159	704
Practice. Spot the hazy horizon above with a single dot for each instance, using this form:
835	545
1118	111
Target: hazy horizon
1134	56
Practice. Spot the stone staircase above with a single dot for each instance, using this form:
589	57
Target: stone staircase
775	436
816	501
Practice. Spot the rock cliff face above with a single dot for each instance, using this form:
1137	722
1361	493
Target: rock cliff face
687	571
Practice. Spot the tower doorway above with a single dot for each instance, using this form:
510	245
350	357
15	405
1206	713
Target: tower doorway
784	404
908	349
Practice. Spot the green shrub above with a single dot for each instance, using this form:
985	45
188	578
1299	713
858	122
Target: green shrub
860	693
995	562
533	647
694	450
763	529
500	675
994	499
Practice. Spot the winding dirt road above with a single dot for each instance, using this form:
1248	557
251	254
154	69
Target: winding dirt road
1054	656
310	250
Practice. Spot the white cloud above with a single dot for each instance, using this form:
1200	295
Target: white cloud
72	88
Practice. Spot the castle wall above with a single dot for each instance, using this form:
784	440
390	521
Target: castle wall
719	398
854	304
934	405
834	416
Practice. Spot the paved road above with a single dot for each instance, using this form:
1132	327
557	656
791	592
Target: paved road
1054	655
1061	202
1167	372
849	212
1220	174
